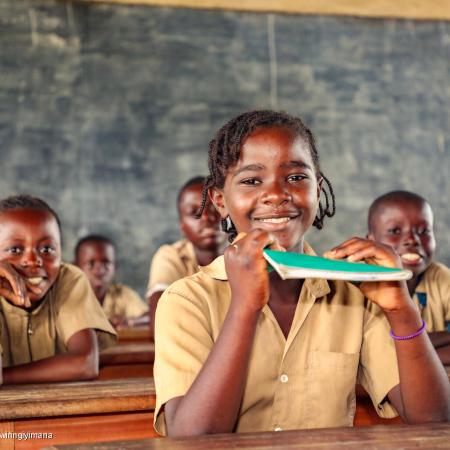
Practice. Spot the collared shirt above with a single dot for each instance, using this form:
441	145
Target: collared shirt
432	296
337	339
169	264
68	307
121	300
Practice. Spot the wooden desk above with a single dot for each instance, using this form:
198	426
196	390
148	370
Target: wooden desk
380	437
127	360
86	411
136	334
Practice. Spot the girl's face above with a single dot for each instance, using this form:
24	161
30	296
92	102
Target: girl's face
273	187
30	241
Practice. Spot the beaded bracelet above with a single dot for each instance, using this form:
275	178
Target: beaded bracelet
410	336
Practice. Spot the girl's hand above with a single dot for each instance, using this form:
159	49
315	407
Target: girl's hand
12	285
389	295
247	269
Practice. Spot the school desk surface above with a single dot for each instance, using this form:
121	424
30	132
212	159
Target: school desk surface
379	437
85	411
135	334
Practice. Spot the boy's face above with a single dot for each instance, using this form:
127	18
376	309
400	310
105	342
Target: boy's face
407	226
30	241
204	233
97	260
273	187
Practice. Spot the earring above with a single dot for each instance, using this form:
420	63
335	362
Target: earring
226	224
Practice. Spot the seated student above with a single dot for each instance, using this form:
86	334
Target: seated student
404	221
51	325
200	247
238	349
95	255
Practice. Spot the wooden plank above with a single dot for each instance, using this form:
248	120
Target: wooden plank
407	437
128	353
405	9
91	428
137	334
85	397
121	371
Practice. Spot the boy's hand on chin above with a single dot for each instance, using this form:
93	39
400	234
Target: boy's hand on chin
389	295
12	285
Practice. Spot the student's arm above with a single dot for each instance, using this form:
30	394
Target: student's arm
212	403
423	394
79	363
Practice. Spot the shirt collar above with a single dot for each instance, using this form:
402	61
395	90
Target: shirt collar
317	287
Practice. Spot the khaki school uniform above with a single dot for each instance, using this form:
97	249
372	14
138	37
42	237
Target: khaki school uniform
169	264
337	339
432	296
68	307
121	300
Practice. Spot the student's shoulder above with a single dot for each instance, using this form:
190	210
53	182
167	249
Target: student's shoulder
122	290
438	273
209	283
174	249
70	273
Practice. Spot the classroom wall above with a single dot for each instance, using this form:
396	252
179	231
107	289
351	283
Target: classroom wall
105	110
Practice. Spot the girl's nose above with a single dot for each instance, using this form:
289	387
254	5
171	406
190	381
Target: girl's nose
411	238
31	259
276	194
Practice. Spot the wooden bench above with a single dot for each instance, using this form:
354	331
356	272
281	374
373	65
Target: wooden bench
136	334
380	437
127	360
86	411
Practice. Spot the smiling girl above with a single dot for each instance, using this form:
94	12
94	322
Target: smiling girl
239	349
51	325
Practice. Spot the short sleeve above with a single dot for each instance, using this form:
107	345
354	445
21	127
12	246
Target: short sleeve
166	268
77	308
134	305
443	284
183	341
378	372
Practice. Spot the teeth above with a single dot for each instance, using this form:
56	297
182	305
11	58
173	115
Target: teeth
276	220
411	256
35	280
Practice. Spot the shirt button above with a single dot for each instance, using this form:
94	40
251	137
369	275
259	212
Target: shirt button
278	429
284	378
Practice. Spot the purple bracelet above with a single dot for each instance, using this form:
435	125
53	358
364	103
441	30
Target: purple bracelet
410	336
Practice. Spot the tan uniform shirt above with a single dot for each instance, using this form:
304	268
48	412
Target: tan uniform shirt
337	339
68	307
121	300
169	264
432	296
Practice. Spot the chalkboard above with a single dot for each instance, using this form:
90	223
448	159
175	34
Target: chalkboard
105	110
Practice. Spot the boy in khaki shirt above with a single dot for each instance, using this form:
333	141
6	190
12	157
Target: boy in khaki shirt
96	256
51	326
404	221
201	244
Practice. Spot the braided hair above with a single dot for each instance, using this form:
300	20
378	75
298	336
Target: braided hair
225	149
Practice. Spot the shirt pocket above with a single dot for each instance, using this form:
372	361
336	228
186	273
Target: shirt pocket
331	379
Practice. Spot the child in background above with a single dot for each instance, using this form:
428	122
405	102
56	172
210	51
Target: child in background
51	326
96	256
199	248
240	349
404	221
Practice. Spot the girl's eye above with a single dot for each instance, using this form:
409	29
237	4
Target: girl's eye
251	181
296	177
394	230
424	231
48	250
15	250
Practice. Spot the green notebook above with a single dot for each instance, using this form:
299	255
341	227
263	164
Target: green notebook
299	265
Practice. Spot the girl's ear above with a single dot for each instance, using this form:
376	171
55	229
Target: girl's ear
319	187
218	199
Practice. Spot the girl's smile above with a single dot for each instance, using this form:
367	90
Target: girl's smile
273	187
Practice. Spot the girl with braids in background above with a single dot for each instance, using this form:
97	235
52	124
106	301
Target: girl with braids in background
240	349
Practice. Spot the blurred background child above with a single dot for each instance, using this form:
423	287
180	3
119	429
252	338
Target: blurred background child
404	220
96	256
